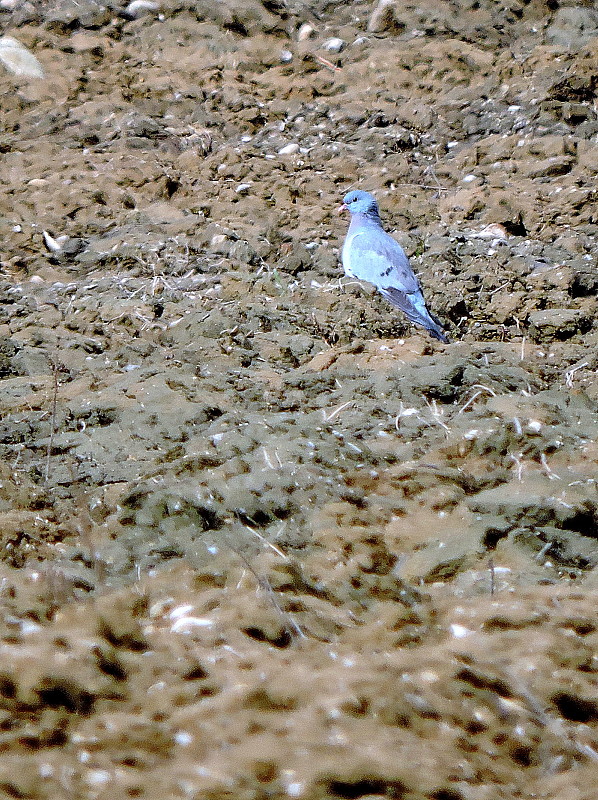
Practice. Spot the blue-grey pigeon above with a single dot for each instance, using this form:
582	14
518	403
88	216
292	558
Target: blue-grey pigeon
371	255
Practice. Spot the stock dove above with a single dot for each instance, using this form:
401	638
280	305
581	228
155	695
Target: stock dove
370	254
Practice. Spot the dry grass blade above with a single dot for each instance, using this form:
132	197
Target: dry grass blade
571	372
263	539
292	627
437	414
327	63
481	390
337	411
556	725
551	474
52	418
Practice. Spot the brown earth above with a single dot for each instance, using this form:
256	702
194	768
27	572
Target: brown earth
260	537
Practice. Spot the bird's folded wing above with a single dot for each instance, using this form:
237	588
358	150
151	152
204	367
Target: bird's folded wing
406	304
377	258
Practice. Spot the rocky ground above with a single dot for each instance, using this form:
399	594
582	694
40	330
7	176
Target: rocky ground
260	537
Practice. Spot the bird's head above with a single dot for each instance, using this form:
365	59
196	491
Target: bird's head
358	202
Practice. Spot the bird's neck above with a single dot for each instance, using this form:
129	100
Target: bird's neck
367	218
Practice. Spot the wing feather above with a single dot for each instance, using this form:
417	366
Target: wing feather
415	310
380	260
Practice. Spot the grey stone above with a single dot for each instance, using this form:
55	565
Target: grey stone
572	27
557	323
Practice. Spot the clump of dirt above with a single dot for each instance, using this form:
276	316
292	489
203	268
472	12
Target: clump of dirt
260	537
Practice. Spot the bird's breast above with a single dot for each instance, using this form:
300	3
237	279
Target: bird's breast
346	255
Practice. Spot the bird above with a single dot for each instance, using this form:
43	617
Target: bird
370	254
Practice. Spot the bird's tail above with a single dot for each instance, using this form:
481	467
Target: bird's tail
414	308
437	333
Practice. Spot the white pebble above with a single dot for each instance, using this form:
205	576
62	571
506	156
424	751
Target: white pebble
53	245
289	149
382	16
306	31
460	631
139	7
184	738
18	60
243	188
96	777
184	624
334	45
493	231
286	56
29	626
180	611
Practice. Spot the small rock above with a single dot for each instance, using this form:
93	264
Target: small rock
219	243
493	231
243	188
505	306
384	17
18	60
139	7
63	16
557	323
286	56
514	501
296	260
584	283
550	167
85	42
52	244
242	251
334	45
306	31
289	149
572	27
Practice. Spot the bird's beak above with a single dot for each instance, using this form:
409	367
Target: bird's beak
342	208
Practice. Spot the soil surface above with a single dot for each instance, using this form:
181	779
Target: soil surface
260	537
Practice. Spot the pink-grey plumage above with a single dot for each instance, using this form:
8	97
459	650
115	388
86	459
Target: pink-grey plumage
370	254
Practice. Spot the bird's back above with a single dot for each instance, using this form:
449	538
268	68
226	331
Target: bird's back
371	254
